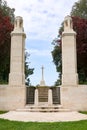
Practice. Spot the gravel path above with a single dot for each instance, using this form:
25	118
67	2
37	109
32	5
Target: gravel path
44	117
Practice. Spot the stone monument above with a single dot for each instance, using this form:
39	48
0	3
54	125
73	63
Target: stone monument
72	95
13	95
42	82
17	76
69	58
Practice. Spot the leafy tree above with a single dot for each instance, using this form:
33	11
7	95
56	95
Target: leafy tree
57	59
80	26
81	39
80	9
5	29
6	10
28	71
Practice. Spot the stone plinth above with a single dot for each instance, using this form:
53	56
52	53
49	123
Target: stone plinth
36	97
42	83
50	97
11	97
74	98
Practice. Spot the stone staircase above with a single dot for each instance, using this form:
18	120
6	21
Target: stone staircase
43	108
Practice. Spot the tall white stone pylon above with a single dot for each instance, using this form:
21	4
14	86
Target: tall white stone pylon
69	58
17	76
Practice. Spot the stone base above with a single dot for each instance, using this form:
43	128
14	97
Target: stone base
12	97
74	98
69	79
16	79
42	83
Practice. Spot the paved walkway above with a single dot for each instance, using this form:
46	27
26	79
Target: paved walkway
44	117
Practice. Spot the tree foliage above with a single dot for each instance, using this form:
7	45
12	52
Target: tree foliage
5	29
79	9
28	71
6	10
80	26
57	59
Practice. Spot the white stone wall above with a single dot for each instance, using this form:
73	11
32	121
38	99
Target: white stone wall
74	98
12	97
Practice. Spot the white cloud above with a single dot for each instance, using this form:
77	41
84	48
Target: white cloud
42	17
37	52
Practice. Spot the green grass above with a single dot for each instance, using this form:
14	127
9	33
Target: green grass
83	112
3	112
3	82
15	125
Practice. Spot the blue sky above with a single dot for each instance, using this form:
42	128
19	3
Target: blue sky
42	19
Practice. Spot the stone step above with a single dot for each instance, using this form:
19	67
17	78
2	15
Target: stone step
43	110
43	107
43	95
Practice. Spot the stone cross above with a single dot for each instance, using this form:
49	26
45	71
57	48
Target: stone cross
42	72
42	82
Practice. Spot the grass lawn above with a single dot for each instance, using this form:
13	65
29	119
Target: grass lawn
2	112
83	112
15	125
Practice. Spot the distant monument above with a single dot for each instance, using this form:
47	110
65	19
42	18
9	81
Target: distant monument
42	82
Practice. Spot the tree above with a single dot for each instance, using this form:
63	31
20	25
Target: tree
80	26
28	71
57	59
6	10
80	9
5	29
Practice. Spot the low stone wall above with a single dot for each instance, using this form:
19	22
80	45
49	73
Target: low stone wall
74	97
12	97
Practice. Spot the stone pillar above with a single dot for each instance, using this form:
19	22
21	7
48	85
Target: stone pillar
17	76
50	97
36	97
69	60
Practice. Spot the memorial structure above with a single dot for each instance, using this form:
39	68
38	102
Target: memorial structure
72	96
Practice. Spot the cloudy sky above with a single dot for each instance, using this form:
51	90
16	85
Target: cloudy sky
42	19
